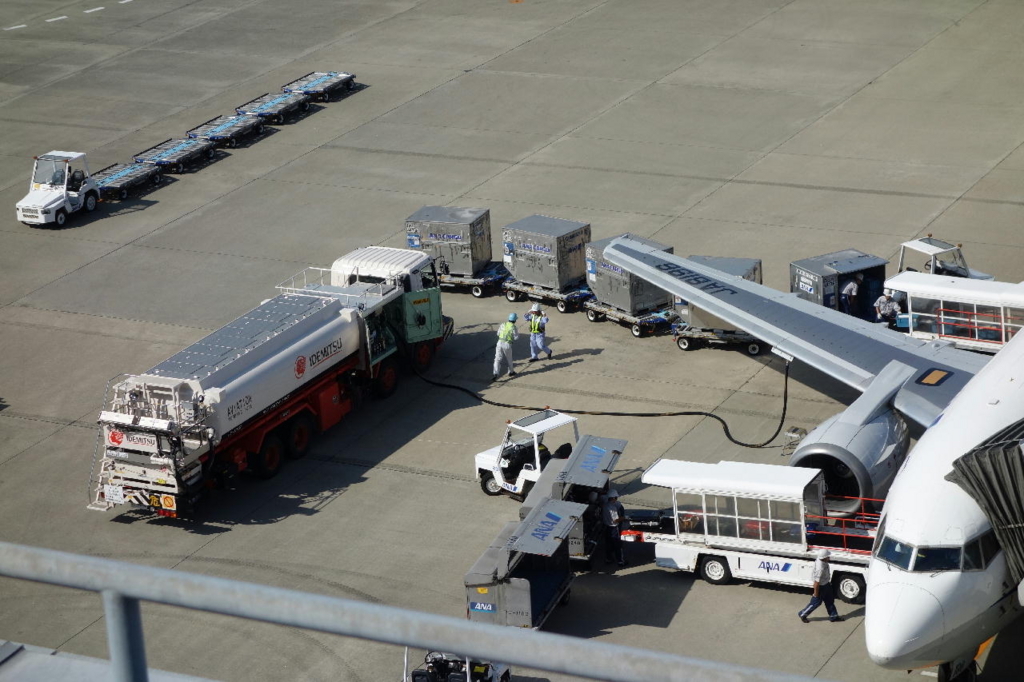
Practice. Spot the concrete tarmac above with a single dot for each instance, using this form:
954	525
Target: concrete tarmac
769	129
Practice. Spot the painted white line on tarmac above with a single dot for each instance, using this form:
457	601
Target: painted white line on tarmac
57	18
94	9
124	2
11	28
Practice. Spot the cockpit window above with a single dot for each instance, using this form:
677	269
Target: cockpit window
989	546
972	556
896	553
932	559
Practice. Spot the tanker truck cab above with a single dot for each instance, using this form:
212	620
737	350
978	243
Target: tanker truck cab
61	185
759	522
514	466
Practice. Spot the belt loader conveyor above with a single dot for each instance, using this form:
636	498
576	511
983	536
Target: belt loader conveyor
274	106
321	84
174	155
117	181
227	130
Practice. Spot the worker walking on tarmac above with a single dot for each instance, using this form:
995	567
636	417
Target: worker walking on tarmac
848	295
614	518
822	577
538	324
507	333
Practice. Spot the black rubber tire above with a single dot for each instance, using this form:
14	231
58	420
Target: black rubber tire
477	291
686	343
754	349
849	587
386	382
488	484
422	356
637	331
511	295
210	153
302	430
267	462
60	218
563	307
179	168
122	194
259	129
231	142
91	200
593	315
305	106
715	570
157	178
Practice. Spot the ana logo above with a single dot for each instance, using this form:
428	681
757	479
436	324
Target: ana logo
116	437
592	459
481	606
770	566
300	366
546	526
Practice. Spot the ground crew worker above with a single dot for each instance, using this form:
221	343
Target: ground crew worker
848	296
507	333
886	308
614	517
538	324
822	577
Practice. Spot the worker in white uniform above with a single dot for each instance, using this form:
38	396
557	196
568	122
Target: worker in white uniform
848	295
507	333
538	326
822	577
886	308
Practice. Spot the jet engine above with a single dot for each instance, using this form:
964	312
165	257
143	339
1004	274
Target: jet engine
859	456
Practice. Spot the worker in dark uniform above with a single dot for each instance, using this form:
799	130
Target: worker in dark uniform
614	518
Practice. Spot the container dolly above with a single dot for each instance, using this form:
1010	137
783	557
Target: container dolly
640	325
227	130
173	155
116	181
565	302
274	107
692	338
484	283
321	85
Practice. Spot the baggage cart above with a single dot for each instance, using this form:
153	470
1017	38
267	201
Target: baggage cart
172	156
275	107
564	301
640	325
687	337
484	283
118	180
525	572
321	85
227	130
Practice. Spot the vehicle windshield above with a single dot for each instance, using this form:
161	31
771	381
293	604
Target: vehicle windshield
895	553
932	559
49	172
534	418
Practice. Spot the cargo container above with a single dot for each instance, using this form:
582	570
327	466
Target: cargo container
621	289
820	279
458	239
546	252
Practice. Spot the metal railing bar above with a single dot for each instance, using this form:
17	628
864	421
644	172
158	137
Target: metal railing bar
388	624
125	640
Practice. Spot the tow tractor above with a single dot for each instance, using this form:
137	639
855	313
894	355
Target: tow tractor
943	258
755	522
61	185
445	667
515	466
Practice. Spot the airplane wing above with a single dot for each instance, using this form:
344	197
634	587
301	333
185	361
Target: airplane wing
851	350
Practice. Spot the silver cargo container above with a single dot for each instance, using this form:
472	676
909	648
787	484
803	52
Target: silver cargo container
616	287
459	239
546	252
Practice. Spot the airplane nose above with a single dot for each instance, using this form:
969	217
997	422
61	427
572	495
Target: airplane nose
900	622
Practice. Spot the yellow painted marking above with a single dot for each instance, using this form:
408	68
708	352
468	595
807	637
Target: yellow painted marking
934	377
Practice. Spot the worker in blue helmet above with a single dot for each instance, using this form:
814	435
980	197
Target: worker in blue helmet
507	333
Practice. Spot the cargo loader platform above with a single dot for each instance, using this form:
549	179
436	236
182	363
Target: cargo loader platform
565	301
118	180
484	283
226	131
322	85
642	324
174	155
275	108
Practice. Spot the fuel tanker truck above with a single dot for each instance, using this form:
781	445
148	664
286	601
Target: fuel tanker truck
257	391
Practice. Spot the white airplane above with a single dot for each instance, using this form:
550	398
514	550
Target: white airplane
940	585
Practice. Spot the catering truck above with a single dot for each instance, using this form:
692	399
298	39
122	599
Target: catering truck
754	522
256	391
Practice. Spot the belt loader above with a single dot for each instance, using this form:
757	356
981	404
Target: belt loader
258	390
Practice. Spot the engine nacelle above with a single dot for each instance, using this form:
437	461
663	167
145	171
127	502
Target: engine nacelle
859	458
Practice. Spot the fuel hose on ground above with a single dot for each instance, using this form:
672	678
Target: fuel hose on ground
683	413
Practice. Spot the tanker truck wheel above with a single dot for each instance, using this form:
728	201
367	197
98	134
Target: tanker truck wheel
422	356
301	433
267	462
387	379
